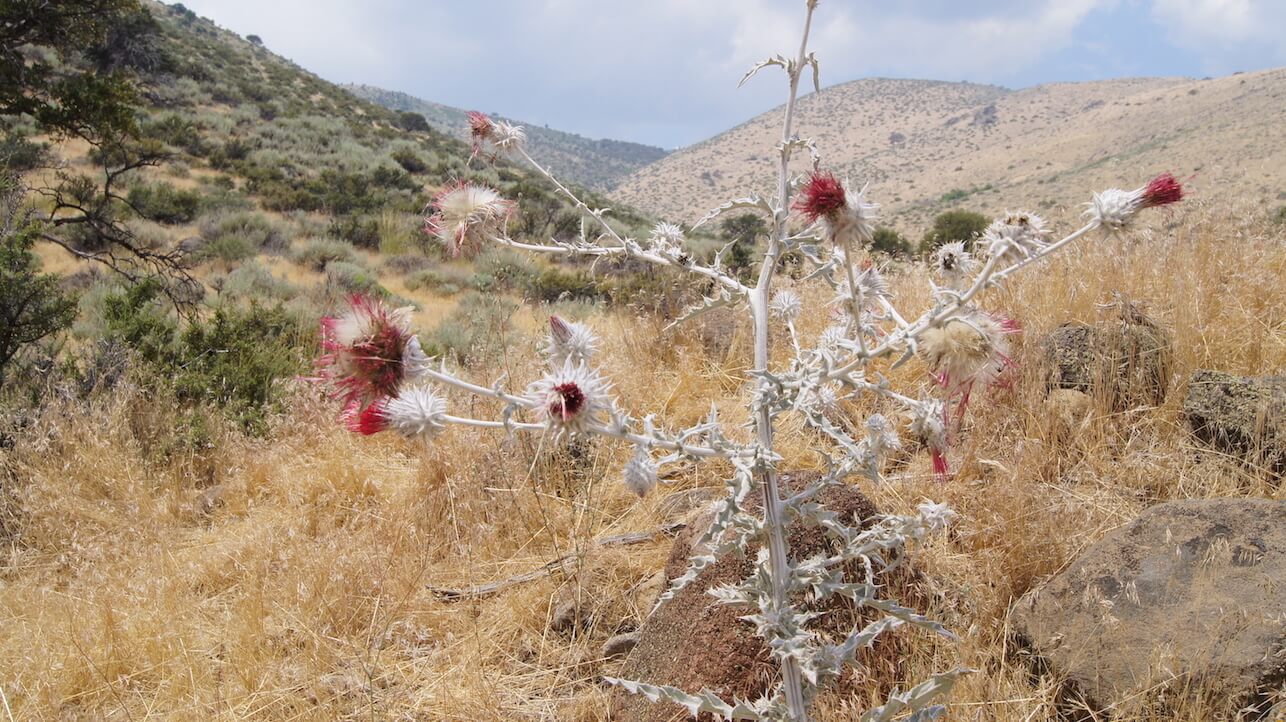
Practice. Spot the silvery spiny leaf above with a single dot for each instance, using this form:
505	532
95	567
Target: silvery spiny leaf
748	203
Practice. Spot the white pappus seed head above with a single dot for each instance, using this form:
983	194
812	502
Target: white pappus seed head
786	305
417	411
507	136
571	399
640	472
971	349
569	342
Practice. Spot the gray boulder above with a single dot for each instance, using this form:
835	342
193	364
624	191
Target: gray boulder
1239	415
1189	598
1125	362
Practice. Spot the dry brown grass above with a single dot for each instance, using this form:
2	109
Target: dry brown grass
303	595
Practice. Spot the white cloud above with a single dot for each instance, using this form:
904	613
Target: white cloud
1226	33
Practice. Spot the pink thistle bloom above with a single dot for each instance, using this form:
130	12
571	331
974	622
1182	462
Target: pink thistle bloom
366	351
846	216
968	351
572	399
465	215
1113	208
480	129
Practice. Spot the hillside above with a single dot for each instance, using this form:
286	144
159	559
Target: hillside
278	186
599	164
928	146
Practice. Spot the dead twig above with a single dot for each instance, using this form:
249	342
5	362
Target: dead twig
558	565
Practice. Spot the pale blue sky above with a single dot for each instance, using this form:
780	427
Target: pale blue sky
665	72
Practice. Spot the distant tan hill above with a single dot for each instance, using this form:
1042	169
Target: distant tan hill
928	146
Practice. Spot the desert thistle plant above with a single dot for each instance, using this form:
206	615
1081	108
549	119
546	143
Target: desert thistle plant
374	365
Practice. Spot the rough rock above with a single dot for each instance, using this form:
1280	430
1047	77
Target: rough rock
571	614
1193	588
691	643
619	645
1125	362
1240	415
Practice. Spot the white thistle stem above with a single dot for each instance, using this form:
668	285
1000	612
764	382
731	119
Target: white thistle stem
778	552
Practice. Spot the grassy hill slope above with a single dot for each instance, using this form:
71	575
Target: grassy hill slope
594	163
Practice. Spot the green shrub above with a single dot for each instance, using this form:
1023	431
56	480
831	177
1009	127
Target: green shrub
250	281
476	329
886	240
243	229
953	226
410	161
320	252
504	270
164	203
352	278
361	231
554	284
230	360
442	281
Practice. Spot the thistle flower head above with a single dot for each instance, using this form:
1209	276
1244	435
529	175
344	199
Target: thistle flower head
571	399
845	215
640	472
936	516
366	351
480	129
666	238
1113	208
954	264
880	436
569	342
465	215
415	412
786	305
968	350
928	423
1013	235
833	338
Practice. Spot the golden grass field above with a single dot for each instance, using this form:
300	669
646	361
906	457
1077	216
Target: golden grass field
298	588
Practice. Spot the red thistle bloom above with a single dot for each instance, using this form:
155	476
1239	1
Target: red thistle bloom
820	197
1162	190
364	349
566	401
371	420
